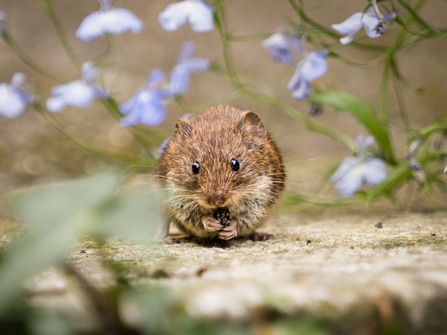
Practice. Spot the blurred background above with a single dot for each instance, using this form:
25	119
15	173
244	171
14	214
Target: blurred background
32	151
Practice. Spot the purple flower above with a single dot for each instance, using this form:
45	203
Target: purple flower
356	171
278	46
313	66
147	106
198	13
163	145
445	170
370	21
79	93
13	97
180	74
108	20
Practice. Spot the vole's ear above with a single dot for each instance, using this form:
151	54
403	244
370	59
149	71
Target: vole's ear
252	124
252	121
183	126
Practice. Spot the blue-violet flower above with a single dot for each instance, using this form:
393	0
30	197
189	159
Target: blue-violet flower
313	66
14	97
147	106
197	12
79	93
108	20
356	171
370	21
180	74
278	46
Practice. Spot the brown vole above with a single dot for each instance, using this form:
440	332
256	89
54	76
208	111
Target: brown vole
220	162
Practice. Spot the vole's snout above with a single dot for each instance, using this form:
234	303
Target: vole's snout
217	198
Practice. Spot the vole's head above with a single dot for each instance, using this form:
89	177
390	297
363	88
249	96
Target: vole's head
221	157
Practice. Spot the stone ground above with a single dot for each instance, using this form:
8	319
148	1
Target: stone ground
339	268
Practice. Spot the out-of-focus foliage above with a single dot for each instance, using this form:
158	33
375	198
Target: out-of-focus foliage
60	213
99	206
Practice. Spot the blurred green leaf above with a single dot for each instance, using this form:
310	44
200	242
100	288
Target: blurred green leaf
151	310
362	111
399	174
293	199
55	214
429	130
135	216
301	327
187	325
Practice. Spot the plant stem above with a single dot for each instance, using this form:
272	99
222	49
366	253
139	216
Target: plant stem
302	14
53	122
307	121
26	59
228	57
61	34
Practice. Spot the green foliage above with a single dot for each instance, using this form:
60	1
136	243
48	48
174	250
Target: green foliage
60	213
362	111
301	326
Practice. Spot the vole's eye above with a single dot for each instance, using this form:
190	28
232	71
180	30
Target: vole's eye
234	165
196	168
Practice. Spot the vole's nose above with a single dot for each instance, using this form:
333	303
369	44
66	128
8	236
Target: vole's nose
217	199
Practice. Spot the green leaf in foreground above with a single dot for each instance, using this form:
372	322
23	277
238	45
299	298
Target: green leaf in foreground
61	212
53	213
362	111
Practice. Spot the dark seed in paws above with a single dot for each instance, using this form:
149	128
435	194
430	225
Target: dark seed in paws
223	215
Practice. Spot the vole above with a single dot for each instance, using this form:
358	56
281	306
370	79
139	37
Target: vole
220	163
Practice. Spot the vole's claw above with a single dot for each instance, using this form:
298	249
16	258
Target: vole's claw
229	232
211	224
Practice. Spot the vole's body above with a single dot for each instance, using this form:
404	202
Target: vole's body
215	138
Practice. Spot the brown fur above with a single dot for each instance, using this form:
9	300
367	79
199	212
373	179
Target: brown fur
213	137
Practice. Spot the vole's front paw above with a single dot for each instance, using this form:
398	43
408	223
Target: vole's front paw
211	224
229	232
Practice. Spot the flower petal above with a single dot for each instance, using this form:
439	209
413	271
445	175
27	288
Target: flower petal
126	107
89	70
130	119
155	77
364	141
118	20
370	22
201	17
278	47
55	104
163	145
294	82
153	113
90	27
196	64
345	167
11	103
186	50
302	92
349	184
348	176
315	66
174	16
350	26
78	93
375	172
180	80
114	21
389	16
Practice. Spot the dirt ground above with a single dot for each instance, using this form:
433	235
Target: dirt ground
342	269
